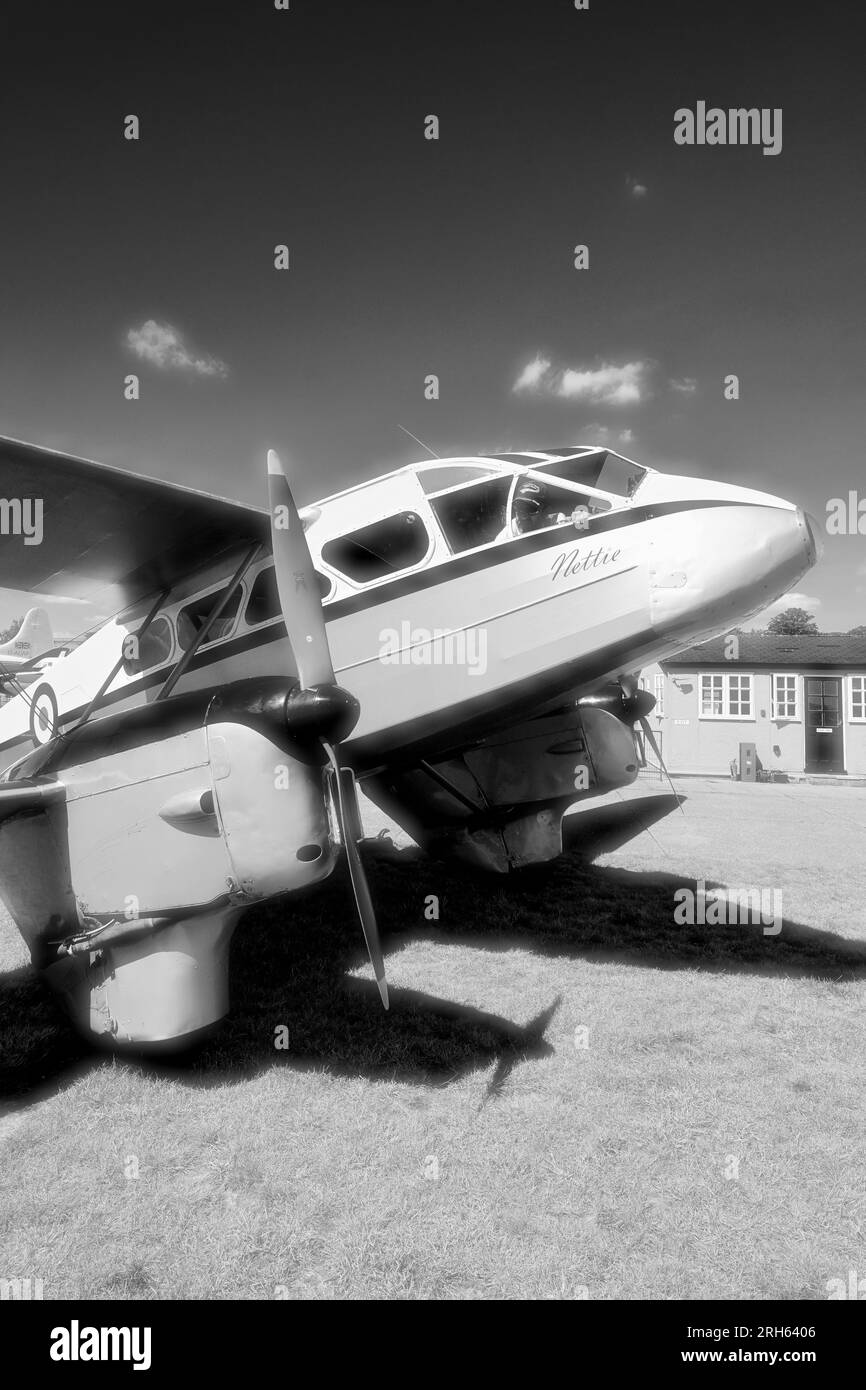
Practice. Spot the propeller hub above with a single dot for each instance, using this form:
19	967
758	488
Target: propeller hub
613	698
321	712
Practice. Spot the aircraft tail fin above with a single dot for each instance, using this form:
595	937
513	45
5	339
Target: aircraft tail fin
32	638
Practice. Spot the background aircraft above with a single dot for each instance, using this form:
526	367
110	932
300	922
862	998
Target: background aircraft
32	639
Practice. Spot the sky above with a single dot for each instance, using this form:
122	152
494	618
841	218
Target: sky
410	256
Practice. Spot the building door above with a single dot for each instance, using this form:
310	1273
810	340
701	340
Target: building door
824	747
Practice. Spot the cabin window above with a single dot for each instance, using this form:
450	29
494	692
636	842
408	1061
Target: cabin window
398	543
192	618
263	604
726	697
152	648
858	698
473	515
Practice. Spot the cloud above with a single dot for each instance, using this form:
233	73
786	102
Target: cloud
606	385
686	385
636	189
163	346
628	384
533	375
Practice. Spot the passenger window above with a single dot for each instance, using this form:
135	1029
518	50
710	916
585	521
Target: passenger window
191	620
386	547
473	515
263	604
154	647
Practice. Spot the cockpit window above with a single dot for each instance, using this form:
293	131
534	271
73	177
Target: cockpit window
603	469
398	543
191	619
473	515
620	475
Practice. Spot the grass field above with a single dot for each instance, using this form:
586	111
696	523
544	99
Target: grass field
572	1096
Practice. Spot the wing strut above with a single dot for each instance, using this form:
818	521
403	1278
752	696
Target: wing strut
453	790
152	612
218	609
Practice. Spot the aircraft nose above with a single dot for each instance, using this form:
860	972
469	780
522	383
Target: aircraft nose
813	533
731	557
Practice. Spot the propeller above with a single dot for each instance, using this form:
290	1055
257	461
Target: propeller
319	697
632	693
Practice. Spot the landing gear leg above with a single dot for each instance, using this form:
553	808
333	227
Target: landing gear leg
167	985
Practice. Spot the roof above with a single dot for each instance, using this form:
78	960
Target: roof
777	651
487	466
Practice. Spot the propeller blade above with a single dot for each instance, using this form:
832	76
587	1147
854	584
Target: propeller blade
297	582
651	739
301	604
348	815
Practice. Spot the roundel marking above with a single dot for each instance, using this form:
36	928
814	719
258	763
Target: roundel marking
43	715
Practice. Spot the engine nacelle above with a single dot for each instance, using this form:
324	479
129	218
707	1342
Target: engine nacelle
176	817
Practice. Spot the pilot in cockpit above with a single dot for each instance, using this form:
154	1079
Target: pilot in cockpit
532	510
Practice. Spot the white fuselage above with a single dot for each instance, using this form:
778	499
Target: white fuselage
467	636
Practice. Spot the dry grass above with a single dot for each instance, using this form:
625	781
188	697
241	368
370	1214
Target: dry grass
301	1173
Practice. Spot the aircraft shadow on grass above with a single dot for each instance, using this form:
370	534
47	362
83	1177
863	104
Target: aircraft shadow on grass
290	964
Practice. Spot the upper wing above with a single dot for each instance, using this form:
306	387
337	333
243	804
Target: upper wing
108	534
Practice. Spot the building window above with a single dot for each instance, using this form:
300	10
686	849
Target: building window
785	701
659	691
726	697
858	699
712	697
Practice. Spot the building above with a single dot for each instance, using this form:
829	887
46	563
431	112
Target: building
801	701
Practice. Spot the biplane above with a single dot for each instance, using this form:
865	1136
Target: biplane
460	636
25	654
